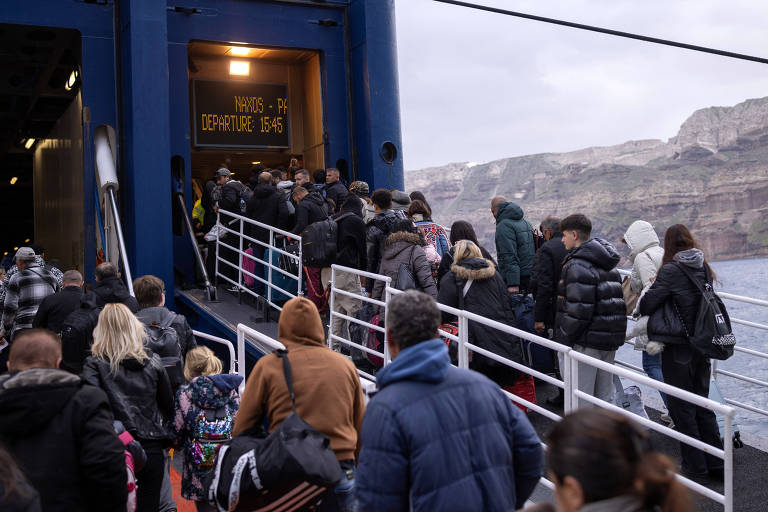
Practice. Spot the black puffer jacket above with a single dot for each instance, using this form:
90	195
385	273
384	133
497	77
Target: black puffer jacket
112	290
547	264
264	207
312	208
673	288
590	303
60	432
404	247
447	261
336	192
140	395
376	232
487	296
351	246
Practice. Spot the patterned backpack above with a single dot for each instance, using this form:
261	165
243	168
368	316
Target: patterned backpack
213	427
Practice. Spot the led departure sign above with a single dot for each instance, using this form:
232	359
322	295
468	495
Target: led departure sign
241	114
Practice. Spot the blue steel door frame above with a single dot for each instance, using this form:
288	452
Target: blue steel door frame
95	24
266	25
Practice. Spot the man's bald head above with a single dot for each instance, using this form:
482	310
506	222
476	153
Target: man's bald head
265	178
495	202
35	348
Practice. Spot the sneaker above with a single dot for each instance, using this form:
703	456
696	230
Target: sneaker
233	289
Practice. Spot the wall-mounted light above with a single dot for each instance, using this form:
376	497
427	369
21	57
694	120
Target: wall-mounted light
29	143
239	51
14	180
239	68
72	80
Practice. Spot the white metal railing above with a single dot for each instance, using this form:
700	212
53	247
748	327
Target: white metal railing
270	249
236	363
569	383
716	370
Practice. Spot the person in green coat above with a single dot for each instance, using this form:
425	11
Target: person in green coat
514	244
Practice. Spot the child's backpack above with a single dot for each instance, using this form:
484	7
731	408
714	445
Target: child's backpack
213	427
135	458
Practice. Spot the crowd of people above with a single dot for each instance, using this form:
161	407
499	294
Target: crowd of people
107	383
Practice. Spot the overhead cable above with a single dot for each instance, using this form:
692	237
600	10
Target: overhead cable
607	31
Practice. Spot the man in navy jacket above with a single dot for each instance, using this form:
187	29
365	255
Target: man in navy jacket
437	437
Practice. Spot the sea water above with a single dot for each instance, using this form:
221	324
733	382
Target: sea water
747	277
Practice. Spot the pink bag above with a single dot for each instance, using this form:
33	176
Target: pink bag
248	265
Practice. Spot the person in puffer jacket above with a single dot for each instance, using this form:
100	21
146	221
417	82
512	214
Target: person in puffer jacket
515	245
436	437
208	390
646	254
486	295
377	230
591	314
405	246
672	303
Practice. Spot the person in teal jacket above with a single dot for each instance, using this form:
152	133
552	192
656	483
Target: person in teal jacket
514	244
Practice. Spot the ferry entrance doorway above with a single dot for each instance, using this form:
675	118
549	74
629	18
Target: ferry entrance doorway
41	142
251	106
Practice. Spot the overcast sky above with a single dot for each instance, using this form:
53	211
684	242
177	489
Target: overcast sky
478	86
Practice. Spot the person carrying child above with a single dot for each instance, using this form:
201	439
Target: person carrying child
205	412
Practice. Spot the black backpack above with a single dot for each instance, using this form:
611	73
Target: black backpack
163	340
244	194
319	242
286	471
712	336
77	336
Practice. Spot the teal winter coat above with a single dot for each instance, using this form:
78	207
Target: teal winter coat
514	243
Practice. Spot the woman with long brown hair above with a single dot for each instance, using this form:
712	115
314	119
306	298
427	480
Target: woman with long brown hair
672	304
600	461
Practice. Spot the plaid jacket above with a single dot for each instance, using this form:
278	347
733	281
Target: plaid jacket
23	295
56	273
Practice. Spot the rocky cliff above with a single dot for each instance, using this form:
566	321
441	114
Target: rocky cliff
712	176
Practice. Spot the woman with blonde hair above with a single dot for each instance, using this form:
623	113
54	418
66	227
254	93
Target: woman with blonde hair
138	389
474	284
205	413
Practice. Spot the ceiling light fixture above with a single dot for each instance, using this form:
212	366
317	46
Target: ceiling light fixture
239	68
26	241
29	143
255	163
239	51
15	248
72	80
14	180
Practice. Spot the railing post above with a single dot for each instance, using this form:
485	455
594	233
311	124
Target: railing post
714	369
574	382
269	265
299	292
728	463
240	353
218	233
332	284
240	258
387	296
463	340
565	373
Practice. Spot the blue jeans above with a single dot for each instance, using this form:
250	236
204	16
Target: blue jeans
652	368
342	497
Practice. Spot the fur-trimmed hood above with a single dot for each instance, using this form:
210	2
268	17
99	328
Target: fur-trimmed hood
400	241
474	268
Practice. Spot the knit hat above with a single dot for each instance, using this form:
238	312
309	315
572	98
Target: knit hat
359	188
25	254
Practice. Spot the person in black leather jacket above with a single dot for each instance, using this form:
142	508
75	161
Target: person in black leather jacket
591	315
672	302
138	390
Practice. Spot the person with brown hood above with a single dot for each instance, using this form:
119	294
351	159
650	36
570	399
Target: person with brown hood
326	386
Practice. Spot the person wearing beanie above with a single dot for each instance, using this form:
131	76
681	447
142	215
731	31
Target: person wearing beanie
325	384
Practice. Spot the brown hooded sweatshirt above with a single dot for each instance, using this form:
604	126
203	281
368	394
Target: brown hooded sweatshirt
326	385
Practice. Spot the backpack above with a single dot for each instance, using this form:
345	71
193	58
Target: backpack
77	337
712	336
244	194
213	428
216	194
159	338
319	242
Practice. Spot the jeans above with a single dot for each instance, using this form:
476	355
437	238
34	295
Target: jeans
652	368
344	304
342	498
166	491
